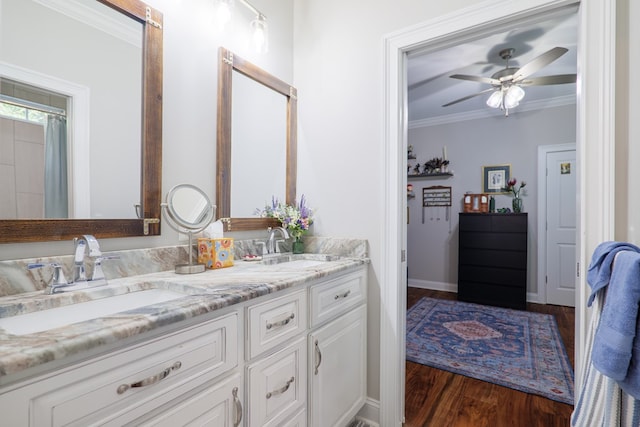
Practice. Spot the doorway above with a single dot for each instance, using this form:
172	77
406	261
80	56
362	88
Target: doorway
596	135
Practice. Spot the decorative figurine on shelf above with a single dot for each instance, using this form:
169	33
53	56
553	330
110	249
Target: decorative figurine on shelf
436	165
410	193
410	154
416	169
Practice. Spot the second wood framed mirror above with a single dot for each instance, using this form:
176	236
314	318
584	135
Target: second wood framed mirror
256	154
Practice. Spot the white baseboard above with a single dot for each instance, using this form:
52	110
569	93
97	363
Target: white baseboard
453	287
436	286
370	412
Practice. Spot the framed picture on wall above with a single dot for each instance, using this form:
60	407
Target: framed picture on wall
495	178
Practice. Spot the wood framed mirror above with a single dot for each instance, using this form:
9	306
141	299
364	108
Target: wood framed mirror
146	221
230	158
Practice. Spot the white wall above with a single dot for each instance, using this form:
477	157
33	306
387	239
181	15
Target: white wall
339	74
494	140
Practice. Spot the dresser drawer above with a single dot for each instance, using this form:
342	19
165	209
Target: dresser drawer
493	258
331	299
277	385
121	387
275	321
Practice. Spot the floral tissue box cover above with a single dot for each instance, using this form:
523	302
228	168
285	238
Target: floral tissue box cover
215	253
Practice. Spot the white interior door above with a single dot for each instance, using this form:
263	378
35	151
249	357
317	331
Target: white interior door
561	227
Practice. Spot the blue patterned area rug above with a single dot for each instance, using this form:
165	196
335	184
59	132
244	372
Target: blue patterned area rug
516	349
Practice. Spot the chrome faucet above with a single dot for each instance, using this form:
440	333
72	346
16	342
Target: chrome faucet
272	246
81	245
87	245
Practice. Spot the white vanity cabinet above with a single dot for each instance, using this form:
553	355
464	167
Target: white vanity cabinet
337	347
292	358
163	378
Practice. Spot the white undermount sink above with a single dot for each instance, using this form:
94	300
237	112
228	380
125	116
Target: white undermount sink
291	261
300	263
43	320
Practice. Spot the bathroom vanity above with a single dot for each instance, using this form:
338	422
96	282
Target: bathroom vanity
251	345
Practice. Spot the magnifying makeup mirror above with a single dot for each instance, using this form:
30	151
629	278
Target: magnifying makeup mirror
188	210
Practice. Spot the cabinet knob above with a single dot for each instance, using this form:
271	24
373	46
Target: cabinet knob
238	404
281	322
318	358
150	380
282	389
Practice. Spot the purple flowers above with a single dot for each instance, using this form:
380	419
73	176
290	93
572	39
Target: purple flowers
295	218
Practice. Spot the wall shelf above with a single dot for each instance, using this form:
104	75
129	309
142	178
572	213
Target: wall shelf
430	175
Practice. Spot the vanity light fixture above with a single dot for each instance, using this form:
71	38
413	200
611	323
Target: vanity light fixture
260	34
224	13
259	28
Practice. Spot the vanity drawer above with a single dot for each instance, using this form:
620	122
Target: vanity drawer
219	404
277	385
298	420
275	321
331	299
121	387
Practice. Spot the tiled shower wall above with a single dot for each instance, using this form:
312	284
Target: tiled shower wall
21	169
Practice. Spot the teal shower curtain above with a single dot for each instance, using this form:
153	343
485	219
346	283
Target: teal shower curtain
56	197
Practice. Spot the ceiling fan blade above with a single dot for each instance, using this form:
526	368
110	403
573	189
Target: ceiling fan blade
469	97
549	80
538	63
476	79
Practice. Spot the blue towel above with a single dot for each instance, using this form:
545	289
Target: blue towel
600	268
616	352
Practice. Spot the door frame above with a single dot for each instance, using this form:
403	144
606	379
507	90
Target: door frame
543	150
595	152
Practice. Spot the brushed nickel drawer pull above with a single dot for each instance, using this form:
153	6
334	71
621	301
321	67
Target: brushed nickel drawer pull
281	322
343	295
281	390
238	404
318	357
150	380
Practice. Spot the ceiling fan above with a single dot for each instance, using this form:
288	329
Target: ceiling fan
507	83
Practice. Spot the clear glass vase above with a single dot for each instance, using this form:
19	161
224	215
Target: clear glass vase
516	203
298	246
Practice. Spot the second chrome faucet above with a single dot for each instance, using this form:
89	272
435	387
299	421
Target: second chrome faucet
272	246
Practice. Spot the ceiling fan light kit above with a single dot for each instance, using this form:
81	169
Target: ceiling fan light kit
506	83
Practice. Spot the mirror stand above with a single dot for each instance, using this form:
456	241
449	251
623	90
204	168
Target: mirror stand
190	268
188	210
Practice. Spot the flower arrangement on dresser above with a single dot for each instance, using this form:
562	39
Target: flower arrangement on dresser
515	190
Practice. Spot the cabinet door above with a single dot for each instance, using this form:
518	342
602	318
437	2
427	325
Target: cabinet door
218	405
277	385
338	369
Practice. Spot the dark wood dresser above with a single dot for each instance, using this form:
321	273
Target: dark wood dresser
492	259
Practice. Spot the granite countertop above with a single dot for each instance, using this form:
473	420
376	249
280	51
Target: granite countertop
204	293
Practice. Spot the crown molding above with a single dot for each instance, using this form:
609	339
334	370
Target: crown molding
92	14
539	104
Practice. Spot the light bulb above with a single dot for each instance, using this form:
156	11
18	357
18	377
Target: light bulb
224	13
495	100
513	96
259	34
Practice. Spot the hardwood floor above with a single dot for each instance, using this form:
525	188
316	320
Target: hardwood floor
442	399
